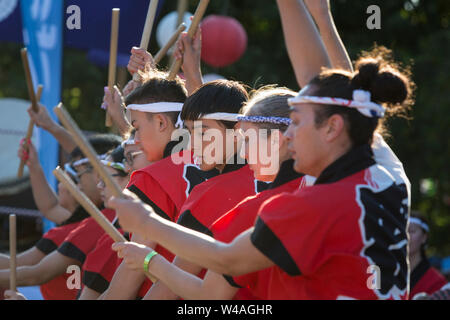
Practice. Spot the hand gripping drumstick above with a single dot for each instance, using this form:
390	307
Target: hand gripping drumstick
87	204
161	53
12	252
146	33
113	57
87	149
199	13
29	131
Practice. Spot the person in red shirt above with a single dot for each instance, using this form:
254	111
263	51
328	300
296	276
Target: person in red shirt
100	265
424	278
165	184
323	240
43	265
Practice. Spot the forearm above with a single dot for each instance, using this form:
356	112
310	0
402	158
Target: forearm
194	80
337	52
63	136
27	258
122	123
124	285
208	252
161	291
305	47
182	283
25	276
44	197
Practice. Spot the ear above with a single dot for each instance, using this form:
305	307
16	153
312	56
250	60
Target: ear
334	128
162	122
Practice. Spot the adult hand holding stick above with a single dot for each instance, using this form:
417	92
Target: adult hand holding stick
33	98
29	132
67	121
199	13
87	204
12	252
113	56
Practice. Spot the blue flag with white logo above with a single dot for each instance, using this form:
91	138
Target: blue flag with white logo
42	35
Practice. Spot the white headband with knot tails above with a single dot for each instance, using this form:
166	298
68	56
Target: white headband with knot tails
361	102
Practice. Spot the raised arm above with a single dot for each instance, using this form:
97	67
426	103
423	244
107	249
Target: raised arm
44	197
305	47
190	51
321	12
43	120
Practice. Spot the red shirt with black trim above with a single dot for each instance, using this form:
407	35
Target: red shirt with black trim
243	216
102	262
212	199
165	186
56	289
83	239
343	238
426	279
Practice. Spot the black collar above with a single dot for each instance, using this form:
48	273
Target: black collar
357	159
419	272
286	174
78	215
234	166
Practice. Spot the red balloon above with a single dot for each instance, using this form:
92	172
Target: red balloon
224	40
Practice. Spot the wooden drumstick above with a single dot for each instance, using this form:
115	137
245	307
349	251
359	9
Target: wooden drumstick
29	132
181	9
67	121
161	53
12	252
148	27
199	13
87	204
113	57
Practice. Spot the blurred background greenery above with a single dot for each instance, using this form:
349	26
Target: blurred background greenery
416	30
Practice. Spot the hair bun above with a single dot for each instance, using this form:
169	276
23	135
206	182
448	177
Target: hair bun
386	85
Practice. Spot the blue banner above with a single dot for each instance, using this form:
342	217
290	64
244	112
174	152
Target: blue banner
42	34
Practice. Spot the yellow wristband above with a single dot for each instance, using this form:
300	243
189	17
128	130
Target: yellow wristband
147	260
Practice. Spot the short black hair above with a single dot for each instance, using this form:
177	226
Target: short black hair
213	97
102	144
118	155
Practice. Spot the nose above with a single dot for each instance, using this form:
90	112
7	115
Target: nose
288	133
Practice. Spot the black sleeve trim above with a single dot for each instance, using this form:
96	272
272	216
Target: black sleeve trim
231	282
95	281
187	220
268	243
69	250
46	245
146	200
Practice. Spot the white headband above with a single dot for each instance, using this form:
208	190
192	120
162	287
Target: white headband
158	107
114	165
129	142
222	116
361	102
86	160
420	223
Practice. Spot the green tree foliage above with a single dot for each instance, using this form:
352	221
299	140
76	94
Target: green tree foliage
416	30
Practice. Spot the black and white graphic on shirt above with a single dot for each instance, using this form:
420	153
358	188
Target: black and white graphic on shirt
383	227
194	176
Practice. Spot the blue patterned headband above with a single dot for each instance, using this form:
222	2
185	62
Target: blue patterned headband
261	119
